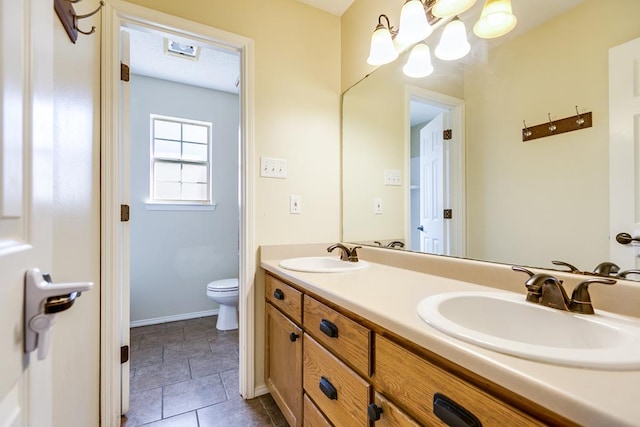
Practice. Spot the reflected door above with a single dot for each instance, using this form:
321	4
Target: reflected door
432	187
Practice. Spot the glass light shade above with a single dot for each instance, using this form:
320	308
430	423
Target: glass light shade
496	19
419	63
414	26
453	43
447	8
382	49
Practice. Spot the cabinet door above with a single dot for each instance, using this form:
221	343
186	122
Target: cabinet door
283	364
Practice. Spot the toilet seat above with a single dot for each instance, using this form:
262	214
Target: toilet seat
224	285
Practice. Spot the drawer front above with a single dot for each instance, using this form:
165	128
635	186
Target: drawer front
385	414
417	397
338	391
287	299
312	415
349	340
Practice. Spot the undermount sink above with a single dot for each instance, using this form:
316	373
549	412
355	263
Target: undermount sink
505	322
322	264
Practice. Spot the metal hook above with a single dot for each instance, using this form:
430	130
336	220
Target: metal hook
580	120
77	17
526	132
552	127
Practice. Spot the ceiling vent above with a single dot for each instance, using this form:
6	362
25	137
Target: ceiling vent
172	47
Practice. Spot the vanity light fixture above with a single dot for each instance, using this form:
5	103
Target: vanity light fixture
419	63
447	8
496	19
414	26
453	43
382	49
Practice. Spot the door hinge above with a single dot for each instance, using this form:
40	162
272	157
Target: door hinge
448	213
124	354
447	134
124	72
124	213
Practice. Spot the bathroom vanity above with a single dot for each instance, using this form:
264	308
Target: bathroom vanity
349	349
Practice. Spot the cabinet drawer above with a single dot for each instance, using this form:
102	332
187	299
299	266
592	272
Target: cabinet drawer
338	391
349	340
287	299
388	414
413	383
312	415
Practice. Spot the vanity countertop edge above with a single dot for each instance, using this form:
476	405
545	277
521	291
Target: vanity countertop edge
585	396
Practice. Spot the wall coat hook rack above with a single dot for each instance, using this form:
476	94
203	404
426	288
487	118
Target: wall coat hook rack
556	127
65	11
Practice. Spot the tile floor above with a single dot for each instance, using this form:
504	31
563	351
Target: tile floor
185	374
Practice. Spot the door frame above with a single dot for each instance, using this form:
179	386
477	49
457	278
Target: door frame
116	14
457	178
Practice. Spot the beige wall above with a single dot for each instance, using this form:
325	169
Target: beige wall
297	116
76	224
557	187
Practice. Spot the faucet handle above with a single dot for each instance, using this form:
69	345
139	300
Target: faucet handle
522	270
580	298
606	269
571	268
624	274
353	254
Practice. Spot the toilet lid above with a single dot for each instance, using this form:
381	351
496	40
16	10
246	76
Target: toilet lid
223	285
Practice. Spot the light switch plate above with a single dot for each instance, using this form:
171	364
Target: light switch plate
295	204
377	205
392	177
273	168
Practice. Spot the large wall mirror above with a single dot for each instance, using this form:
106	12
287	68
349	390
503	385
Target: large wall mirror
511	201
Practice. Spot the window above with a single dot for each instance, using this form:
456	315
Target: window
180	161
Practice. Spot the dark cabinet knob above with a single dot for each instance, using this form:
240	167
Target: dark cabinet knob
374	412
293	336
329	328
453	414
278	294
328	389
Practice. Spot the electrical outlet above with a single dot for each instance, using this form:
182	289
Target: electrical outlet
392	177
273	168
295	204
377	205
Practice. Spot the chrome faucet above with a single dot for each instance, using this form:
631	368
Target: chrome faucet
547	290
346	254
395	244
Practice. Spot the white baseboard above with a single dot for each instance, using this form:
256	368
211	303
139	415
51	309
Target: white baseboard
260	390
175	317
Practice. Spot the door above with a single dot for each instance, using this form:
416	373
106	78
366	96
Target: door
26	128
432	187
624	156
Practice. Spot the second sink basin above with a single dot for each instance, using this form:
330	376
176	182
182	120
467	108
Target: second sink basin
505	322
321	264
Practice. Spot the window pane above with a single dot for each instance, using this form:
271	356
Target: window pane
194	152
167	191
194	192
194	173
195	133
166	130
166	149
167	171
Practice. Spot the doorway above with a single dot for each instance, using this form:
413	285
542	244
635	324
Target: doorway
436	164
116	233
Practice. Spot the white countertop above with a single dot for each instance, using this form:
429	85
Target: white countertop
388	296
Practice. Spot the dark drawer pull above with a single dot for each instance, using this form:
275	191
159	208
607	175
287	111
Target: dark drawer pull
328	389
329	328
278	294
293	336
453	414
374	412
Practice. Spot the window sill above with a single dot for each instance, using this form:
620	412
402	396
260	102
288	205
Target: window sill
151	206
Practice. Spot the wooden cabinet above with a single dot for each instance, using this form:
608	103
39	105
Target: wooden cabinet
283	364
324	367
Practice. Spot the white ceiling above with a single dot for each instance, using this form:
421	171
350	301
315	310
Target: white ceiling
219	69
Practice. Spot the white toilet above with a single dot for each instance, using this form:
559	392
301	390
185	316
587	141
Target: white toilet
225	293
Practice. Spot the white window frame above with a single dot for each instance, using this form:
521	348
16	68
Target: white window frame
162	204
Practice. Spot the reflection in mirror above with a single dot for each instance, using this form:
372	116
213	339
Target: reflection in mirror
524	203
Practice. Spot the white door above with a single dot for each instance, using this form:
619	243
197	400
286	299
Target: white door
432	187
624	156
26	128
